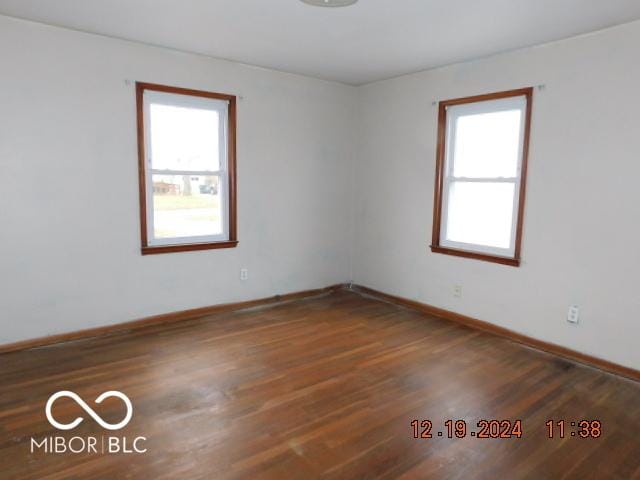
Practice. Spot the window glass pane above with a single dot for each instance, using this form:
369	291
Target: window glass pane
186	206
184	138
487	144
480	213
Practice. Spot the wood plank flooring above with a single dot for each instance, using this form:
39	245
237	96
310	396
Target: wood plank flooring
321	388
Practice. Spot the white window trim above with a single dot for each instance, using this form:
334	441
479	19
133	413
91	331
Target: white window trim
453	113
182	100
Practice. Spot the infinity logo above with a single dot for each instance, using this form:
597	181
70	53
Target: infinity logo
89	410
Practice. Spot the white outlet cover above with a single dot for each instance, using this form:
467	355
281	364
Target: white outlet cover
574	314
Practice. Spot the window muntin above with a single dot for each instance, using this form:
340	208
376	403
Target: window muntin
483	143
187	168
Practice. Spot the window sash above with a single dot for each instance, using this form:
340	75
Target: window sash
224	209
488	106
477	247
187	101
483	179
168	171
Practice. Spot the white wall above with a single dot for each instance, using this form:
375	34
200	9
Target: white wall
69	232
582	218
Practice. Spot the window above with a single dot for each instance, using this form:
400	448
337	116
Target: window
481	175
186	149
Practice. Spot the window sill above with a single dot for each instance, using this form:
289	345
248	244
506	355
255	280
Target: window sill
187	247
485	257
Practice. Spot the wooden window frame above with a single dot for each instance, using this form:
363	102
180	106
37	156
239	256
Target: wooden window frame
436	247
232	241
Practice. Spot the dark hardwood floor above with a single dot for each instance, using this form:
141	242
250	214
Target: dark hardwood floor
319	388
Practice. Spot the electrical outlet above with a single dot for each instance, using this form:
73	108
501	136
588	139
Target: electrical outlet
244	274
574	314
457	291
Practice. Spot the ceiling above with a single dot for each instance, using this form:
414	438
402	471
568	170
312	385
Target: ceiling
372	40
